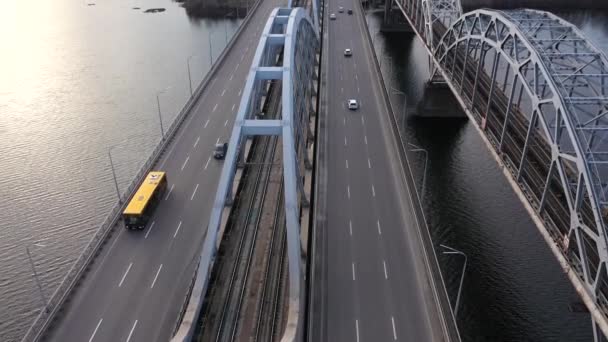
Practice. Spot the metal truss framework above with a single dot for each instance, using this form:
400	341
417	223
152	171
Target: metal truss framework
289	33
537	89
425	16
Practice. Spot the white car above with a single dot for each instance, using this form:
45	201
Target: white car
341	9
353	104
332	16
347	53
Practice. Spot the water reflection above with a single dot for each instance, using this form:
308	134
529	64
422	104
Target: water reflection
76	79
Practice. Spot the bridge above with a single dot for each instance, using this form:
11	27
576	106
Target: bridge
531	83
535	88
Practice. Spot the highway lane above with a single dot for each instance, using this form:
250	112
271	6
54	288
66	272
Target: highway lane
376	281
135	288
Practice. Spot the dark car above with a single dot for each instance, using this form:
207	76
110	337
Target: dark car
220	151
350	11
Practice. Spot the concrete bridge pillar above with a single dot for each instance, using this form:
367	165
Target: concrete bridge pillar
438	101
394	21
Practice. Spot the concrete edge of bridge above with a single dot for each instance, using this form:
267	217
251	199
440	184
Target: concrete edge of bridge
316	242
446	313
44	319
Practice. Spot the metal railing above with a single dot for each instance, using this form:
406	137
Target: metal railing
437	282
64	290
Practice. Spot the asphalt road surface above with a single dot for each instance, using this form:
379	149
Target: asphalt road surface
375	286
136	286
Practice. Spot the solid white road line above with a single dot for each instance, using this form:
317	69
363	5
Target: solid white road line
185	162
149	229
214	107
373	191
357	328
131	332
348	190
196	142
95	331
378	225
385	272
350	227
394	330
125	275
369	163
224	91
156	276
347	163
169	193
207	163
177	230
226	123
206	123
354	277
194	192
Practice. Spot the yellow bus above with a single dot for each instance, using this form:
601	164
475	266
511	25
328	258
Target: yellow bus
142	204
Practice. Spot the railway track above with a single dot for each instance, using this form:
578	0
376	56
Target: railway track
268	322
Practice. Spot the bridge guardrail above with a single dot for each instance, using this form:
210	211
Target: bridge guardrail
433	263
70	280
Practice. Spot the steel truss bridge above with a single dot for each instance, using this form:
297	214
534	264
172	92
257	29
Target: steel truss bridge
287	53
537	90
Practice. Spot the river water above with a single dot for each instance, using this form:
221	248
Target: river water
76	79
514	289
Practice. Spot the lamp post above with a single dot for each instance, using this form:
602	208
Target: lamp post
399	92
114	172
210	49
160	117
450	250
375	36
45	302
189	76
426	159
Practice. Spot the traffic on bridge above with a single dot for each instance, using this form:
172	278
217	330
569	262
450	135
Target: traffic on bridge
281	205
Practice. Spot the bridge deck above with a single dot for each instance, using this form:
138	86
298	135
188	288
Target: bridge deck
137	284
374	281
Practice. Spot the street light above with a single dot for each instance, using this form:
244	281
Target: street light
114	172
160	118
426	159
450	250
210	48
399	92
375	36
189	77
45	302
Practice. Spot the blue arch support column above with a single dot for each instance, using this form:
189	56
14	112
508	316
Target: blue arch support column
292	33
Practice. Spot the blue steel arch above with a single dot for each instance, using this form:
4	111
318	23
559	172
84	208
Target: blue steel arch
538	90
289	32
